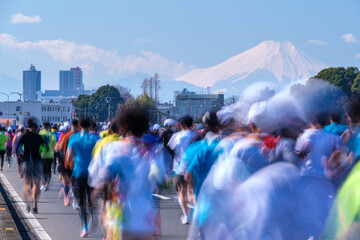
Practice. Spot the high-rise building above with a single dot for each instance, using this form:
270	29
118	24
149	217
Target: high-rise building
71	82
31	84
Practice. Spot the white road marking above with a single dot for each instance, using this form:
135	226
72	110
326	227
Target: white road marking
161	196
167	198
39	230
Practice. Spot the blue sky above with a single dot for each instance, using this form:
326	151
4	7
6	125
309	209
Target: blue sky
111	39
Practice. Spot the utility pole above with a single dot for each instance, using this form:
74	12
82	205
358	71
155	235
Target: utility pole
108	100
157	87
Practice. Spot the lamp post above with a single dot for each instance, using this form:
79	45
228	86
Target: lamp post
8	102
21	110
108	100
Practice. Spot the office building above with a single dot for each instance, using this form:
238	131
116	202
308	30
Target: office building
17	111
31	84
196	104
71	82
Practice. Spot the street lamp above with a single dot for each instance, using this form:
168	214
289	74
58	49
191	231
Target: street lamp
8	102
108	100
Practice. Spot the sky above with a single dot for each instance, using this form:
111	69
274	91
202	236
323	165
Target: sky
113	39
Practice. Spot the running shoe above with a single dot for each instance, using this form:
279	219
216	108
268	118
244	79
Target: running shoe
9	165
66	201
35	211
84	232
42	188
184	219
75	205
27	209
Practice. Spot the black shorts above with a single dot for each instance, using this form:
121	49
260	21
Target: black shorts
47	163
61	167
8	151
179	181
81	190
32	169
2	154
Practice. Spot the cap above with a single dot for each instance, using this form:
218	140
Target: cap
156	127
169	122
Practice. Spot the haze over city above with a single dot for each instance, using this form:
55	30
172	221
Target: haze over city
114	40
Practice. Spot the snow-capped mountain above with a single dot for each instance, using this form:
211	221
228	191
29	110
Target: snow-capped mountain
273	61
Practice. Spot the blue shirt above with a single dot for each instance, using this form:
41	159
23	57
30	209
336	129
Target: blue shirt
335	128
82	144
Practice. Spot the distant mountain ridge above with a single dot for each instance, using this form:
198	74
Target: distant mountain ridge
273	61
8	85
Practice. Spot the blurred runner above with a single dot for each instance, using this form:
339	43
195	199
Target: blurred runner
133	167
179	142
19	152
32	166
48	155
8	144
2	147
79	152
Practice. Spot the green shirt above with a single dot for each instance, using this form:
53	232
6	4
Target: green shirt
2	141
50	141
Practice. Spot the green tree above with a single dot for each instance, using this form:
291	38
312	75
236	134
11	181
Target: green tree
82	106
317	95
104	102
144	103
340	77
355	88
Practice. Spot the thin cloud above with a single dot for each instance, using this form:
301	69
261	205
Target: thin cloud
357	55
92	57
142	41
349	38
19	18
316	42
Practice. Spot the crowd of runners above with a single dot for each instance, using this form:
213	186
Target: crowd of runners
252	171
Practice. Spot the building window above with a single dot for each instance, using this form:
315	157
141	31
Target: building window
18	108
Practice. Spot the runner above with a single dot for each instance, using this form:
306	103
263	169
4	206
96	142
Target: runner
19	152
48	155
2	147
179	143
80	147
32	166
8	144
133	166
96	164
168	153
64	168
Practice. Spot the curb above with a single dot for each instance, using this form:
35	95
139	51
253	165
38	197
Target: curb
8	228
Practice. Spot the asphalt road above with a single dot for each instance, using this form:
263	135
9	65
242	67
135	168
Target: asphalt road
60	222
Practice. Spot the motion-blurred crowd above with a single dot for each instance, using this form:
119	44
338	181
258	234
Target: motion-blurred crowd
251	171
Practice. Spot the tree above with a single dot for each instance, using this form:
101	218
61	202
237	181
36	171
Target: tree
355	88
100	105
317	95
124	92
82	106
144	86
156	86
340	77
104	102
144	103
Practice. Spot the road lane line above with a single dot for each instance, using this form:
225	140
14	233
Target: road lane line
161	196
39	230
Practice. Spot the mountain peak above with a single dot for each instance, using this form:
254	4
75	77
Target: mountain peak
279	60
